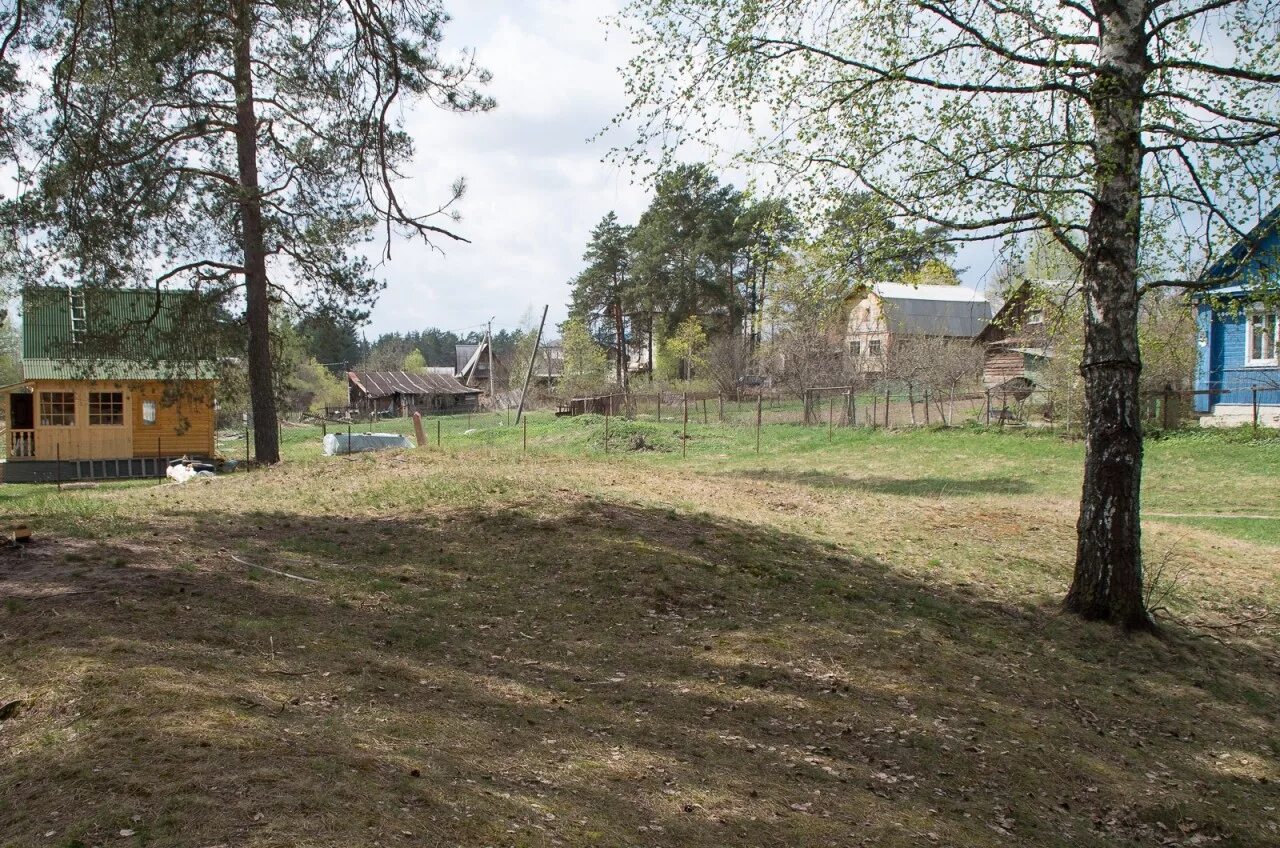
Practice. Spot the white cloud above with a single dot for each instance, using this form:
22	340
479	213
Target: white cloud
536	185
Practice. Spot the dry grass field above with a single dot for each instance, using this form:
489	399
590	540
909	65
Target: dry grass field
847	639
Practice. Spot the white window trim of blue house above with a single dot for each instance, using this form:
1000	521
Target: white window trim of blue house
1251	326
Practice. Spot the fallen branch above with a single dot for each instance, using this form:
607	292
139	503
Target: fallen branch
273	571
1230	624
50	595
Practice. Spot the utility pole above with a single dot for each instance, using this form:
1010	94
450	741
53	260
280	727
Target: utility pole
488	343
537	342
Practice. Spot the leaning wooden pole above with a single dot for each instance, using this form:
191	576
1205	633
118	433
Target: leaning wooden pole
528	375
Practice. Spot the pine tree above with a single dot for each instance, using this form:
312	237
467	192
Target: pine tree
243	145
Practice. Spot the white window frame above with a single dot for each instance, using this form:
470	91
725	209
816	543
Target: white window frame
1250	317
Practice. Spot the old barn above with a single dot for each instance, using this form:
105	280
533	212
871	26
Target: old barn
404	392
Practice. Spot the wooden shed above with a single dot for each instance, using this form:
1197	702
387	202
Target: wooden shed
1016	343
110	385
403	392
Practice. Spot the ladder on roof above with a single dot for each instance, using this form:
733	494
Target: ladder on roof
79	315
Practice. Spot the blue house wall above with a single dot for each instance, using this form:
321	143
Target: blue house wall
1221	316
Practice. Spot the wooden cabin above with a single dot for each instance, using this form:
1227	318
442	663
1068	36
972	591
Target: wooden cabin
109	388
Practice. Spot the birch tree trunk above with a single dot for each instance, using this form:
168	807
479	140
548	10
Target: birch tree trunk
1107	584
266	426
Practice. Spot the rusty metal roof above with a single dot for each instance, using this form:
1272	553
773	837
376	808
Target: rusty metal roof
380	384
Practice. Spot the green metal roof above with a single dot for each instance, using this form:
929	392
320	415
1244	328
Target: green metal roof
115	369
126	331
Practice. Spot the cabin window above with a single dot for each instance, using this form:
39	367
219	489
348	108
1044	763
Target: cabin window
1260	344
57	409
873	347
106	409
148	412
1035	316
855	348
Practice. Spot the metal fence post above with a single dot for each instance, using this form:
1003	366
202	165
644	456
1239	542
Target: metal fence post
608	405
525	425
989	407
887	397
1255	409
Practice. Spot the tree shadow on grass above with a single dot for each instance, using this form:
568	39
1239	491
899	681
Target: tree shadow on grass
590	673
935	487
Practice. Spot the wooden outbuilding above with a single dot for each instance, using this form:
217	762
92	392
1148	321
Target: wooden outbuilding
403	393
1017	344
113	384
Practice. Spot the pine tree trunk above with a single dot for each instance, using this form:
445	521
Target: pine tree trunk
1107	584
621	333
266	426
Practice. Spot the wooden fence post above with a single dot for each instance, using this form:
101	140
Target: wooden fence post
887	397
989	406
684	439
720	401
705	421
418	435
759	411
437	432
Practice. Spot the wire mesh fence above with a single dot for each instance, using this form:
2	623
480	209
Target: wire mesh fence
695	415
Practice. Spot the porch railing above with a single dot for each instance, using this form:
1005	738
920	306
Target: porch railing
22	444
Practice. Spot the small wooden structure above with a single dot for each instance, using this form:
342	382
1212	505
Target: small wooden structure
402	393
615	404
110	386
1016	342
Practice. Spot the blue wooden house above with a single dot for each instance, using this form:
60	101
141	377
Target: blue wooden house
1238	327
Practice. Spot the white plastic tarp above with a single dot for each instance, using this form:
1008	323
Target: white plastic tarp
336	443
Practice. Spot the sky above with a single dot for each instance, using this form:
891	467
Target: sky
536	184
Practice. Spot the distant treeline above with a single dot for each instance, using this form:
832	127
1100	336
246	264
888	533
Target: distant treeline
338	343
